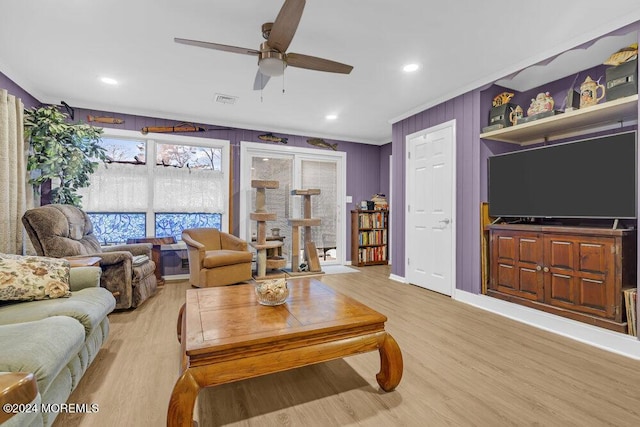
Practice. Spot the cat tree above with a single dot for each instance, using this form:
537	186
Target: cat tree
310	252
268	261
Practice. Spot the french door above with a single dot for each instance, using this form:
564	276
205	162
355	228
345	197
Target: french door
296	168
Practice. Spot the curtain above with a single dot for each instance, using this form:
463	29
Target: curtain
188	190
15	194
116	187
138	188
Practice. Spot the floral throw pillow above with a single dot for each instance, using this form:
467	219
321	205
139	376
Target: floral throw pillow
28	278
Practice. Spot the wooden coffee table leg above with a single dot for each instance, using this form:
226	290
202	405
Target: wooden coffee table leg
179	322
183	400
390	364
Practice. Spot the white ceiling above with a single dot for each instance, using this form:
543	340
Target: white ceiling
57	50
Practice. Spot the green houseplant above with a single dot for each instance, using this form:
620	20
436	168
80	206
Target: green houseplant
63	152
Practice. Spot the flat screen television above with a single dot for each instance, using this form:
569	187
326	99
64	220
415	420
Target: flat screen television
591	178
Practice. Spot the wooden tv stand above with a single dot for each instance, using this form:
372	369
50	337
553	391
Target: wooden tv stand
574	272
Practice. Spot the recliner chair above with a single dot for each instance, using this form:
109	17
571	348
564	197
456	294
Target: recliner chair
64	231
216	258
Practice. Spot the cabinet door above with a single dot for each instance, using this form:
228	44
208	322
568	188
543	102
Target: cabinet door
579	273
516	259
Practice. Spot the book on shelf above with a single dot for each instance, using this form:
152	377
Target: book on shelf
375	237
372	254
630	302
372	220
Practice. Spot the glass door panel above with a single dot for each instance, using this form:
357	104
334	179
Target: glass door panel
271	168
322	175
296	168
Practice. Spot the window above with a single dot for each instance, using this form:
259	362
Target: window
172	224
112	228
176	155
125	150
186	187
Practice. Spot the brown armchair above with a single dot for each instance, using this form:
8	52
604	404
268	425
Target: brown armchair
64	231
216	258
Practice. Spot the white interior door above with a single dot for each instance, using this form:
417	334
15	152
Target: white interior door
430	225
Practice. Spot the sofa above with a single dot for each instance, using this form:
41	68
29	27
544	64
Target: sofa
55	338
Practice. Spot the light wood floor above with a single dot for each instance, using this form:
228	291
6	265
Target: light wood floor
462	367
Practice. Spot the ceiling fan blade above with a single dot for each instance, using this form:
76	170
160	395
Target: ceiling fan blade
319	64
260	81
285	25
217	46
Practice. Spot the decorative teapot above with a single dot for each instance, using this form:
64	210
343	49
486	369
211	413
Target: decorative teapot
589	93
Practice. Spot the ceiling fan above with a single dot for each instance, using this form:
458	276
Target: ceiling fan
272	55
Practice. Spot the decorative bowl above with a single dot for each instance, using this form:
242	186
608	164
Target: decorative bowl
272	292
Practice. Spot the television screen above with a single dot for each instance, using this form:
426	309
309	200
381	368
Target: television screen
591	178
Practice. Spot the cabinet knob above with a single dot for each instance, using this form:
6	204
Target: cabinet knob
538	268
546	269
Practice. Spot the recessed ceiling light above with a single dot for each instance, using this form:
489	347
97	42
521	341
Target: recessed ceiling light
225	99
108	81
331	116
409	68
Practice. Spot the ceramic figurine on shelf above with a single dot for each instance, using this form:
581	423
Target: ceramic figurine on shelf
589	92
502	98
625	54
543	102
515	115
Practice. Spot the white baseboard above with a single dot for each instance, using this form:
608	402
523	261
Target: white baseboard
397	278
625	345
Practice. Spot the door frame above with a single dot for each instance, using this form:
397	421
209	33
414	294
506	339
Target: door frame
248	148
407	232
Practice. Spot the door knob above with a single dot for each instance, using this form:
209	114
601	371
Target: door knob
538	268
546	269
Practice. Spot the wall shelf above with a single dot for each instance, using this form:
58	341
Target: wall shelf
622	110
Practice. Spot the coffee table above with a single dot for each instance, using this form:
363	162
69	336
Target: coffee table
227	336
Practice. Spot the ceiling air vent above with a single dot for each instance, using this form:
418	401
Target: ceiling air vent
225	99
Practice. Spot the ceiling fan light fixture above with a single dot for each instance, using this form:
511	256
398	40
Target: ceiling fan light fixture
272	67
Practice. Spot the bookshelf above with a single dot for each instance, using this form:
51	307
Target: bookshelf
369	237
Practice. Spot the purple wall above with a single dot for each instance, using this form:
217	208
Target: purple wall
15	90
465	109
471	112
366	173
385	152
367	170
